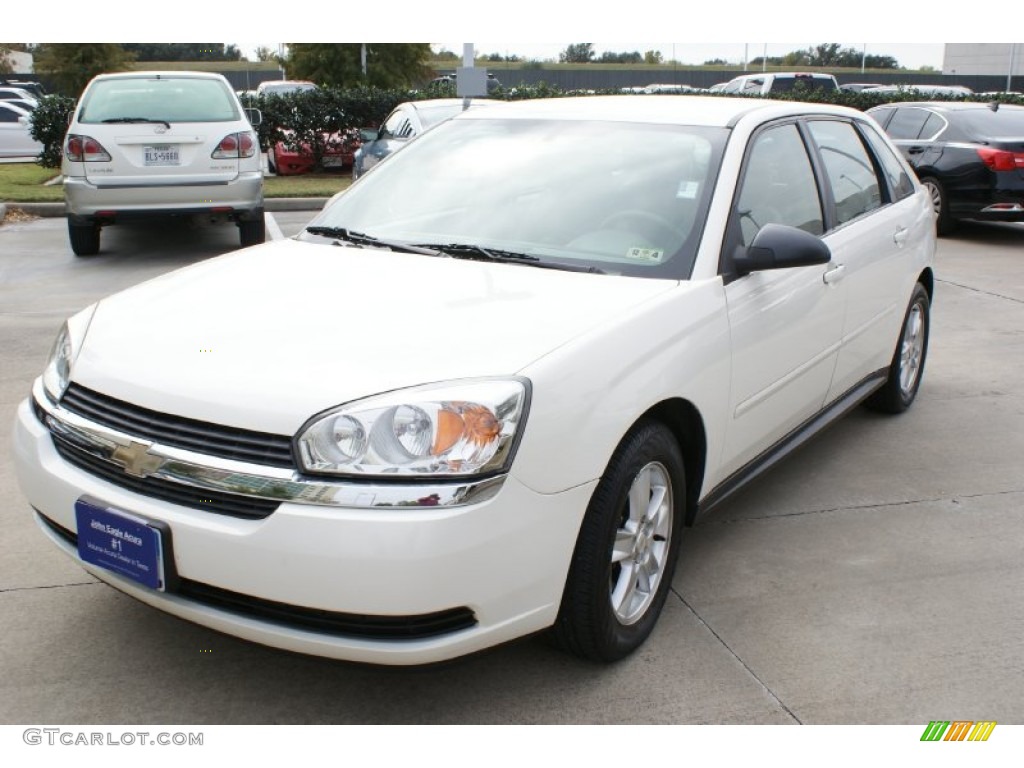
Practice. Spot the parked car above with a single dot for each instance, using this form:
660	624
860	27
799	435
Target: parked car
9	92
160	144
283	87
33	88
493	83
858	87
969	155
487	388
407	121
16	132
669	88
767	83
923	89
286	158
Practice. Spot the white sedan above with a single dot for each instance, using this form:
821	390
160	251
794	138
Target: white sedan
486	390
16	132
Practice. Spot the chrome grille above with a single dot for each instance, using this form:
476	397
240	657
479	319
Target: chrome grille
178	431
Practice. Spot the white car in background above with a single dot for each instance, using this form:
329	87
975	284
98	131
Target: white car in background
16	132
160	144
488	387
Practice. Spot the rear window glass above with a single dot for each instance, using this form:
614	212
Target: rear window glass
174	99
1005	123
786	84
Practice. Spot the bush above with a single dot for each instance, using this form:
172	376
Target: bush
49	123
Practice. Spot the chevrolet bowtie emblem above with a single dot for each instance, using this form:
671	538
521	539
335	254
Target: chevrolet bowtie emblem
136	459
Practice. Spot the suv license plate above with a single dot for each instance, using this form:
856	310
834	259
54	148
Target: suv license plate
162	154
120	542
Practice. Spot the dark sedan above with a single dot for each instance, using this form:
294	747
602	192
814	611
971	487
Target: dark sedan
970	156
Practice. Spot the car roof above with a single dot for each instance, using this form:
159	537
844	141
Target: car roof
673	109
150	74
948	106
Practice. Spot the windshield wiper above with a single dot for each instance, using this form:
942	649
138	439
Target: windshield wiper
360	238
136	120
480	253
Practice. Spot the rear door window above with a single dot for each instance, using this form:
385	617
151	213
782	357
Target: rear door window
855	185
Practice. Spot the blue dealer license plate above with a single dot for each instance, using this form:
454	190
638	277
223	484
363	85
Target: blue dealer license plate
120	542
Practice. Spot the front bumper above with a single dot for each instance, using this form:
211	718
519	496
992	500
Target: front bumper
504	559
84	200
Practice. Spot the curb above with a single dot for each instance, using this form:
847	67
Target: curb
55	210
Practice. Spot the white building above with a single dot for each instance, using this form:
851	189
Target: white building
983	59
20	62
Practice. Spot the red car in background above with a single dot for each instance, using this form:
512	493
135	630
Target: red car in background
340	153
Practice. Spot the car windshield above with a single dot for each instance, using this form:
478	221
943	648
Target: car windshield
617	197
161	99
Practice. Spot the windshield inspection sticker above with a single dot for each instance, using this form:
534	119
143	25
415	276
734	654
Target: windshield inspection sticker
645	254
687	190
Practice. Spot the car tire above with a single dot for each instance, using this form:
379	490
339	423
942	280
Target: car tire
253	231
85	238
907	367
622	566
271	161
944	222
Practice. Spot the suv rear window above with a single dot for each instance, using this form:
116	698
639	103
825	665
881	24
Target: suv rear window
174	99
784	84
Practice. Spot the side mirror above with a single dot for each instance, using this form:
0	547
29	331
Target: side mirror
254	116
777	246
368	134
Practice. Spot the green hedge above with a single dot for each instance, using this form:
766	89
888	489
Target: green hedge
316	118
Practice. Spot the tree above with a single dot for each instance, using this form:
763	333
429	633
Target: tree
388	65
266	54
577	53
609	57
652	57
825	55
6	67
73	65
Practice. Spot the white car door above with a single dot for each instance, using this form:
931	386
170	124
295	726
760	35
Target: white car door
785	324
877	224
15	137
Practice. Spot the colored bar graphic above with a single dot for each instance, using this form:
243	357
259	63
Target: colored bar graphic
958	730
982	730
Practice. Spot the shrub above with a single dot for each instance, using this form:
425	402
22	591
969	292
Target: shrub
49	123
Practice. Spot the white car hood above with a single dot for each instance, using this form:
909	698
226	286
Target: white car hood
266	337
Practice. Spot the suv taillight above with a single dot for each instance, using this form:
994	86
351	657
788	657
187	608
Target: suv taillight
235	145
1000	159
85	149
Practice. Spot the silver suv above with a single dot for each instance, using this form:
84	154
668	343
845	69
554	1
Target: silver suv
150	144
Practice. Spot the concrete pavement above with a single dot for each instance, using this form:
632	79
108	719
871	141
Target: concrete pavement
873	577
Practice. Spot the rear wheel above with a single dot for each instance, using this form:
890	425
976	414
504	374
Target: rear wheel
252	232
271	161
907	365
625	555
85	238
944	222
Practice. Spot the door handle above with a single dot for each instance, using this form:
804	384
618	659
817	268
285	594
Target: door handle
834	275
915	150
900	236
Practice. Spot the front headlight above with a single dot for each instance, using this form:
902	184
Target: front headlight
57	374
58	368
457	429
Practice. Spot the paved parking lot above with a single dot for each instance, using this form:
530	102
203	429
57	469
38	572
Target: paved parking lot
873	577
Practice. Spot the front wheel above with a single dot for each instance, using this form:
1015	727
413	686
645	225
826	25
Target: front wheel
907	367
621	570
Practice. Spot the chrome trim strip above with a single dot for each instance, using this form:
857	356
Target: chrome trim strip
244	479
